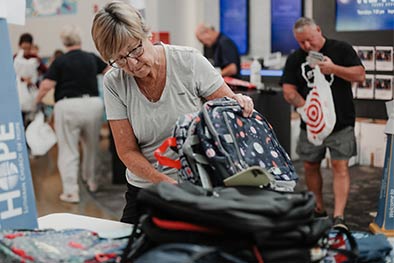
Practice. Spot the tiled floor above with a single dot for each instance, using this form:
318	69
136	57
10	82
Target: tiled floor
109	200
363	196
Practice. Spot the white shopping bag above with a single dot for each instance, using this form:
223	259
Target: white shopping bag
39	135
318	112
27	96
26	68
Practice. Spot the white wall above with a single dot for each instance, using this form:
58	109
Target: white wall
179	17
260	28
45	30
308	8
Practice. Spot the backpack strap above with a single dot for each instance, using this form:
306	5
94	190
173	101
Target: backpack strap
181	225
164	160
351	254
196	160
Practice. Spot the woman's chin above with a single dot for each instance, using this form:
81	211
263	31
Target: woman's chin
138	74
141	73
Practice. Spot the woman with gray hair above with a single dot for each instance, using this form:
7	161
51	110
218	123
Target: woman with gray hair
147	89
78	111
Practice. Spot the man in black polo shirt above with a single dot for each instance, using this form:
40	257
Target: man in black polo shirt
341	66
78	111
225	52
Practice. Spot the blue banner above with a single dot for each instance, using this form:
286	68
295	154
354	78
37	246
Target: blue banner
366	15
284	13
17	202
385	216
234	22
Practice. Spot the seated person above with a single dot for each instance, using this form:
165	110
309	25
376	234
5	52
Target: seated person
225	52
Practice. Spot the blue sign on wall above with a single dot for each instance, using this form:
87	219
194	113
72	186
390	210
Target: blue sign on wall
17	202
356	15
234	22
284	13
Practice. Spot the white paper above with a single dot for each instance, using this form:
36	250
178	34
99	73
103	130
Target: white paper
105	228
384	58
383	87
354	89
390	112
13	11
372	151
365	89
355	84
367	56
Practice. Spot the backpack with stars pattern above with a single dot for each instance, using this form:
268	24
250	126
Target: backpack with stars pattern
218	142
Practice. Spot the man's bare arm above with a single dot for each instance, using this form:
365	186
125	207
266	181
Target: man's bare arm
292	96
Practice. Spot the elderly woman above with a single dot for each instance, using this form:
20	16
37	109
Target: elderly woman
78	111
147	89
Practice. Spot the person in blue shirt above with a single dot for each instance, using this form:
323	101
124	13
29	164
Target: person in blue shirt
225	52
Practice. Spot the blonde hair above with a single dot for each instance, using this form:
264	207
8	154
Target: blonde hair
114	25
70	35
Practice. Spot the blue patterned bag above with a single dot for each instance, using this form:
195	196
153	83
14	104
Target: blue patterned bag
218	142
71	245
233	143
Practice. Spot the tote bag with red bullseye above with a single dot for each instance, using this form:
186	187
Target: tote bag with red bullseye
318	112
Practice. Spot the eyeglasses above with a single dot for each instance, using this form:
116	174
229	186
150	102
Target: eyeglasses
134	53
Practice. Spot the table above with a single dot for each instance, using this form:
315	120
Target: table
104	228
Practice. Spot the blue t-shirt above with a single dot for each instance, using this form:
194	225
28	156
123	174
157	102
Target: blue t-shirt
226	52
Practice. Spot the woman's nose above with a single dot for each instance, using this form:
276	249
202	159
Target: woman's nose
132	61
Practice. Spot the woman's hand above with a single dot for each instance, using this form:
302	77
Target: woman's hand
169	180
246	104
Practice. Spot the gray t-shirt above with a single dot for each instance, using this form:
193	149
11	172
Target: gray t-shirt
190	77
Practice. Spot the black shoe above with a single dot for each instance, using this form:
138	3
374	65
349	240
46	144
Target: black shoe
339	222
320	214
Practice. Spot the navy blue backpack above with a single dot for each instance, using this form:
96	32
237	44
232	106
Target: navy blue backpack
218	143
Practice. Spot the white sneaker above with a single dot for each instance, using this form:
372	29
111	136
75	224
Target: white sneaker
92	186
70	198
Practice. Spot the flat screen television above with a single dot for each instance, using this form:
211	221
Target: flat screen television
234	22
284	13
364	15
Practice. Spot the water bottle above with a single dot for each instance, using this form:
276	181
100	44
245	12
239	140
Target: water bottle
255	77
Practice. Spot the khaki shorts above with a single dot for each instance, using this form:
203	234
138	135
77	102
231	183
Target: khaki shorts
342	145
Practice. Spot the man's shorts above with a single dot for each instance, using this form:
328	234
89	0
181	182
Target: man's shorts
342	145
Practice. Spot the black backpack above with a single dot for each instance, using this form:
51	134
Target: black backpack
257	223
188	253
